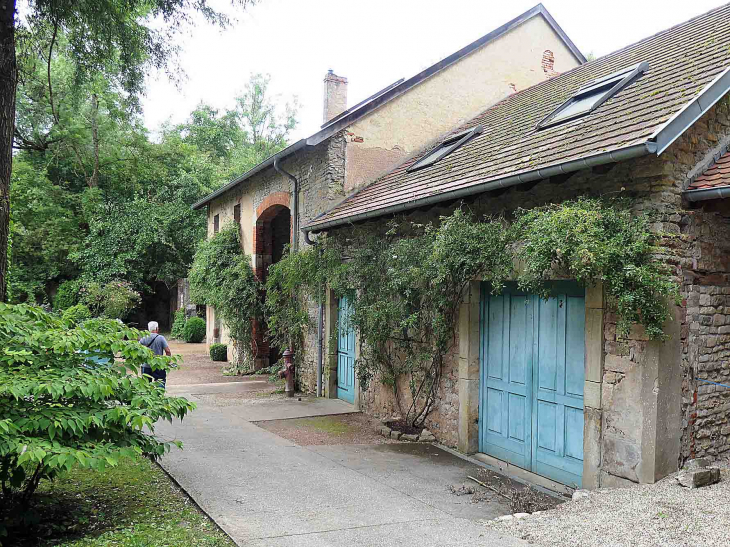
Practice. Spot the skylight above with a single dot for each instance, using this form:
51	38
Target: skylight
445	148
592	95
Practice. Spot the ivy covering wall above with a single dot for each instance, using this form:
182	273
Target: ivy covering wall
406	283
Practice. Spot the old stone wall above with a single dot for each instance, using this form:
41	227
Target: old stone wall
320	171
648	395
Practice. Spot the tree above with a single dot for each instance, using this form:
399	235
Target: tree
104	37
60	408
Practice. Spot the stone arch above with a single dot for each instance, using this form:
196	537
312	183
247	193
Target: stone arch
271	235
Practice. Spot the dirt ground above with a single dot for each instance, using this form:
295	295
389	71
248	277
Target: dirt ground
197	367
327	430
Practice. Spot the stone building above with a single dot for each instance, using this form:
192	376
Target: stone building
650	121
358	144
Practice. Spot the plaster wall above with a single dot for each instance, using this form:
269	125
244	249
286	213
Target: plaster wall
405	125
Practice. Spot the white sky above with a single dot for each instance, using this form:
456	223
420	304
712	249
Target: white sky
373	43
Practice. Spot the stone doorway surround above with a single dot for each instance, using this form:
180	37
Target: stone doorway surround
652	411
470	366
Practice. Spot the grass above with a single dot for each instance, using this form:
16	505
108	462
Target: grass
132	505
328	424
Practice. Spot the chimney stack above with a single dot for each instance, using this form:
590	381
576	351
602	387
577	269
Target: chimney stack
335	95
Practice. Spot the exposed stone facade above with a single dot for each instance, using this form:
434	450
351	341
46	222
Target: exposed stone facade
649	413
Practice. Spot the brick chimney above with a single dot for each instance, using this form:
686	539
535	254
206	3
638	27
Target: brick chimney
548	64
335	95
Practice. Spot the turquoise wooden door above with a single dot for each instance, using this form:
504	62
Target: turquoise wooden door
345	353
532	372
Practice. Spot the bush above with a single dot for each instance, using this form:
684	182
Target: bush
57	413
67	295
194	331
76	315
178	325
219	352
114	300
221	277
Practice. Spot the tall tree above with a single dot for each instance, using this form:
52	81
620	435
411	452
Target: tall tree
121	35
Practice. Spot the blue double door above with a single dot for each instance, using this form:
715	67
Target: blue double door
531	385
345	353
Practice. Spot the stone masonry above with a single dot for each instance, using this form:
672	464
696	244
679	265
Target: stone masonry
647	389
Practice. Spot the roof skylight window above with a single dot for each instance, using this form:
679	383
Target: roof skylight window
445	148
592	95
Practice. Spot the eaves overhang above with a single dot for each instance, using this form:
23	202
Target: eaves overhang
621	154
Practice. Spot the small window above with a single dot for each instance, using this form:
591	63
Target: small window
216	224
592	95
237	213
445	148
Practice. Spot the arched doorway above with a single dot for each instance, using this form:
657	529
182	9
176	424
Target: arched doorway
273	234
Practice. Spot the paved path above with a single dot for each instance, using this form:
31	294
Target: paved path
264	490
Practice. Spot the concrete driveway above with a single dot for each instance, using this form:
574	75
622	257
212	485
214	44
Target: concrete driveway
265	490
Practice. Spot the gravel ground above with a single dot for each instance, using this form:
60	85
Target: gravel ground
197	366
325	430
644	515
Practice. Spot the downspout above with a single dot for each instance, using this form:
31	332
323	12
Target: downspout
320	324
295	204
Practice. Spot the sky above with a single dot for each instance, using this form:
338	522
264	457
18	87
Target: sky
373	43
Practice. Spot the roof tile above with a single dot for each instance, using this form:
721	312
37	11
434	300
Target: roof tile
682	61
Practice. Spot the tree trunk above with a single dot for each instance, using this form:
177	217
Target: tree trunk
8	84
94	182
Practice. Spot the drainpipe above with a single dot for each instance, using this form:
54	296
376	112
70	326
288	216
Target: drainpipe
295	204
320	325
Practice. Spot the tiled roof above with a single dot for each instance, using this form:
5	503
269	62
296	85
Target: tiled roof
717	175
351	115
683	61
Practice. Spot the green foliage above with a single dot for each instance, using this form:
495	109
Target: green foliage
222	277
67	295
178	325
219	352
194	330
76	314
58	412
405	285
134	504
286	316
46	229
594	241
112	300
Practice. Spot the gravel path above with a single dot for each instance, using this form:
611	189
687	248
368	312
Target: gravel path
644	515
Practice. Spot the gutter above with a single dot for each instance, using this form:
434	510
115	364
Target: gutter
633	151
703	194
289	150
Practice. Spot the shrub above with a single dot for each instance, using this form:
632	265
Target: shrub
222	277
114	300
178	325
219	352
76	315
56	413
194	331
67	295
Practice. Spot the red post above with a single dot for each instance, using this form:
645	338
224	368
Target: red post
288	372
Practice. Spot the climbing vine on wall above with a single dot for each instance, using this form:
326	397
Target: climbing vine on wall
222	277
406	282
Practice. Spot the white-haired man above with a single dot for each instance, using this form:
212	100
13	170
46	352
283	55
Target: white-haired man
157	343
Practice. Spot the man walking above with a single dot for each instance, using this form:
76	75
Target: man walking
157	343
